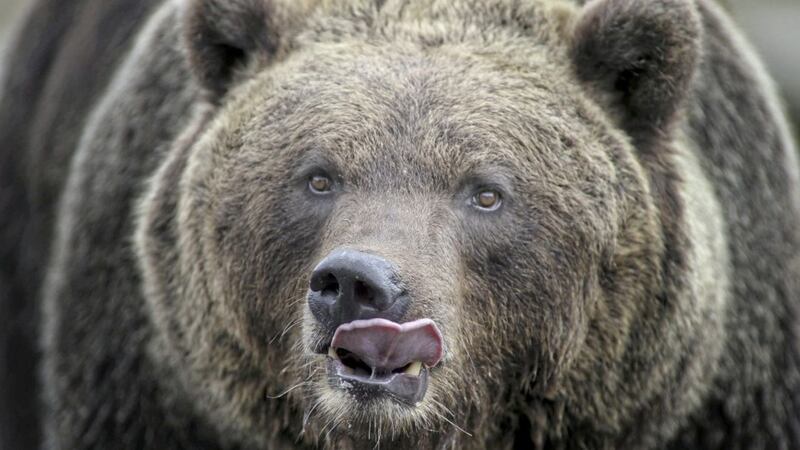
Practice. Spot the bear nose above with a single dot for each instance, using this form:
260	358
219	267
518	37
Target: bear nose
351	285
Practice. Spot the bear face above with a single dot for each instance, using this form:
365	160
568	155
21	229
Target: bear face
512	216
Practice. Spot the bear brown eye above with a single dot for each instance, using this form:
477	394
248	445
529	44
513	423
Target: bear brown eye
487	199
320	184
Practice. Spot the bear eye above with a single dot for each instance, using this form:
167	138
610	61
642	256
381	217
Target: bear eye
320	184
487	200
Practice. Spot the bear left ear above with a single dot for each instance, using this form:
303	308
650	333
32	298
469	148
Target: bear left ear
222	36
644	54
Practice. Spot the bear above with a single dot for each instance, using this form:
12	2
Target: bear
267	224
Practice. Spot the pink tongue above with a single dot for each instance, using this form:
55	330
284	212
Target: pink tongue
388	345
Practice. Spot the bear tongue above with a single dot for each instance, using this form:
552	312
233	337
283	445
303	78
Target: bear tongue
387	345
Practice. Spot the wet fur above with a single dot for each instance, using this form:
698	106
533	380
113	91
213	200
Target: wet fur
640	293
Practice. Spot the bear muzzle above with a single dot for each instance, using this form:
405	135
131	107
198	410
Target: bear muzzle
358	298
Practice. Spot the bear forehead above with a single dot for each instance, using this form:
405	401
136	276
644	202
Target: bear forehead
442	107
496	23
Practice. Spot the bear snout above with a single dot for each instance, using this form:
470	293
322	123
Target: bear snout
359	299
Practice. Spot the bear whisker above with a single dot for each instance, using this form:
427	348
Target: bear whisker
302	383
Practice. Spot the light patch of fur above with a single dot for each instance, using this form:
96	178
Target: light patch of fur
707	295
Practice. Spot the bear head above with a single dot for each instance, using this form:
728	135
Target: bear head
421	222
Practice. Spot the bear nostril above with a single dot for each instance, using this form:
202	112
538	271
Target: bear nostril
330	286
363	293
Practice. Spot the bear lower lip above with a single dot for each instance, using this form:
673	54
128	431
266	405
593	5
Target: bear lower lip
402	387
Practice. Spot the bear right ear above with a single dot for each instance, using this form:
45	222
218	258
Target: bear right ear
643	54
222	36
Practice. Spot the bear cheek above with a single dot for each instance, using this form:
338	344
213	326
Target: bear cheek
255	243
523	283
265	254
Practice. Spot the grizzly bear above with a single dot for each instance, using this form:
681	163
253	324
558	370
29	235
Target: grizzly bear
466	224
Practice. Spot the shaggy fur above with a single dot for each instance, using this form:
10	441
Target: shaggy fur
637	289
61	66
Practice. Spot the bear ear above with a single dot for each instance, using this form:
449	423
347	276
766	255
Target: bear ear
643	54
222	36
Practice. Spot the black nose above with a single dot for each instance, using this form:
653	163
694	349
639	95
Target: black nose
351	285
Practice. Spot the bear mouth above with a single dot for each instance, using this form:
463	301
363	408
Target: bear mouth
377	357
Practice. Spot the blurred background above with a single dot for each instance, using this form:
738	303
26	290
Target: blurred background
773	26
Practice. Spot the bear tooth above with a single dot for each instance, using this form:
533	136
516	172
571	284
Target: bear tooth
332	353
414	369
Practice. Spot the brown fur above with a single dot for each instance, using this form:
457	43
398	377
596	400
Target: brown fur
637	289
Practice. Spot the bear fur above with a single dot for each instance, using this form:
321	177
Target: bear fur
638	287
